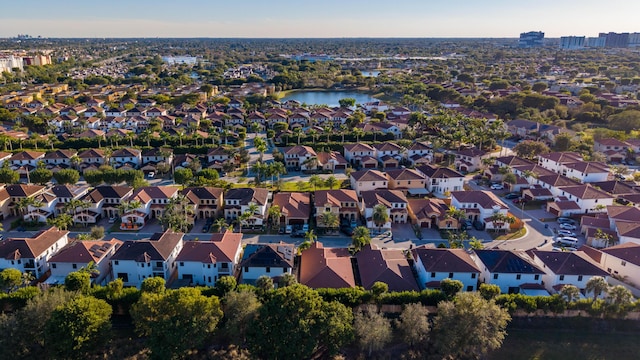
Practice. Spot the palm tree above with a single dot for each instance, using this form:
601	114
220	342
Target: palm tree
596	285
274	214
221	224
314	181
343	130
311	163
23	204
380	216
313	133
358	132
331	181
297	131
329	220
360	237
310	236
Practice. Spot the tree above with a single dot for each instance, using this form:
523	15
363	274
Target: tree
62	221
360	238
372	330
330	182
240	310
469	326
275	214
510	178
264	284
347	102
489	291
529	149
450	287
154	285
596	285
182	176
78	281
380	216
41	175
414	324
378	288
570	293
97	232
10	279
225	284
329	220
287	279
67	176
175	321
296	323
8	176
177	215
619	296
78	327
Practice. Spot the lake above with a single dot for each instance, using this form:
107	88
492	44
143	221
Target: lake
370	73
329	98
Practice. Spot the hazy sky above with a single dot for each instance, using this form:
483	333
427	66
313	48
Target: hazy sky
316	18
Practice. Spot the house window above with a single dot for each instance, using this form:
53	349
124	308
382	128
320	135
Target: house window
158	263
75	266
473	275
561	277
246	269
495	276
624	263
536	277
268	269
579	277
181	263
450	275
209	278
433	274
115	262
53	266
224	265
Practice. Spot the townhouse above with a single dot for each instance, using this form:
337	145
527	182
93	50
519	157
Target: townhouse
432	265
512	271
204	262
78	254
481	206
441	180
238	201
153	200
366	180
31	254
566	268
407	180
393	201
322	267
295	208
207	202
137	260
343	203
270	260
389	266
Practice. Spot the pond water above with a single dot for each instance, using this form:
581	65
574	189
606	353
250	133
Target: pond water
329	98
370	73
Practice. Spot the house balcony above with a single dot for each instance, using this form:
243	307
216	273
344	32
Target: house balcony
157	269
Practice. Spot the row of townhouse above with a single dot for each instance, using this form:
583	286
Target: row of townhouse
147	160
563	179
387	155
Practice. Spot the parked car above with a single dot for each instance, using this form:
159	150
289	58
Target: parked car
565	220
347	230
566	233
567	240
567	226
478	225
151	174
511	196
497	187
519	201
113	219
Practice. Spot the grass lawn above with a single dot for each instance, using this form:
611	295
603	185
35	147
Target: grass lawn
508	236
550	344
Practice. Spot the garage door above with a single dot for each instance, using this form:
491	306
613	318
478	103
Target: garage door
296	222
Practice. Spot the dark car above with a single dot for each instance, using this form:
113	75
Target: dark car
511	196
478	225
347	230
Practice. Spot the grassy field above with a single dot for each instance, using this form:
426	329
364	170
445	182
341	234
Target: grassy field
508	236
550	344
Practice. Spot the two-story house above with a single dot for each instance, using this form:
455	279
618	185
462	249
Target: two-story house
355	153
130	157
510	270
297	157
237	201
31	254
343	203
366	180
207	202
204	262
395	203
103	202
389	266
137	260
566	268
78	254
295	207
153	200
441	180
60	157
270	260
322	267
481	206
432	265
408	181
470	159
431	213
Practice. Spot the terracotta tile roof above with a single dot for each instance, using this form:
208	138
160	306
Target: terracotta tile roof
147	193
424	209
445	260
484	199
83	252
369	175
616	187
60	154
628	229
389	266
569	263
588	167
623	213
322	267
611	142
91	153
27	155
436	172
204	192
126	153
246	195
359	147
334	197
629	252
221	248
562	157
16	248
158	247
405	174
22	190
299	150
585	191
293	205
388	146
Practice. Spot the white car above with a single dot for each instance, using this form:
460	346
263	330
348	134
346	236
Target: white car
113	219
566	233
497	187
567	226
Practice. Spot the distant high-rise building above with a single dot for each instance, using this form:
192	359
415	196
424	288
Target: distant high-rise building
615	40
531	39
596	42
572	42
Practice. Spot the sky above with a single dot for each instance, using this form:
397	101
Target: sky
316	18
